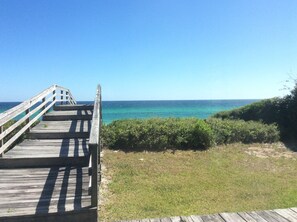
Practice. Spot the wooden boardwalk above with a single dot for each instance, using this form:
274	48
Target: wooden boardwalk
278	215
48	176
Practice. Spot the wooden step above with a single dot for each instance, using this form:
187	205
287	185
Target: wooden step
58	152
68	115
45	194
73	107
29	162
87	214
61	129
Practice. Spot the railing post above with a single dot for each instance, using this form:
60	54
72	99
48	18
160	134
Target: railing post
1	141
27	120
94	187
67	97
62	97
54	95
43	100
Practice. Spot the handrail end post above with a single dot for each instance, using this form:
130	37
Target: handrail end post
94	185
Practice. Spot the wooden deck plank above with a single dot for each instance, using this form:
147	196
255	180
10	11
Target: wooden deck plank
287	213
53	142
155	220
212	218
67	126
175	219
87	214
186	219
277	215
270	217
68	115
232	217
61	129
70	112
249	217
196	218
164	220
62	149
73	107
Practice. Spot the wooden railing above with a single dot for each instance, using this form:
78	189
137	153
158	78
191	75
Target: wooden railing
32	110
95	148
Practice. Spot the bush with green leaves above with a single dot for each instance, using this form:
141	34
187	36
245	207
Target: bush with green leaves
282	111
184	133
232	131
265	110
158	134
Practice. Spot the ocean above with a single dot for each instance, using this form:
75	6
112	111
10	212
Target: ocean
115	110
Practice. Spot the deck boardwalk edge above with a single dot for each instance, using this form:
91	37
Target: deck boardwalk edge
88	214
276	215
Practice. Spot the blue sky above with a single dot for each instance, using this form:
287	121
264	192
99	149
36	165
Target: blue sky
148	49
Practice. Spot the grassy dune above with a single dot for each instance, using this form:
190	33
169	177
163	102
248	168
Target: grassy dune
226	178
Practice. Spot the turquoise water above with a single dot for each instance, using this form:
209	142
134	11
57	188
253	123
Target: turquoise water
114	110
180	108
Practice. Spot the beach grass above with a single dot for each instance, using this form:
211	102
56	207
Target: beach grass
227	178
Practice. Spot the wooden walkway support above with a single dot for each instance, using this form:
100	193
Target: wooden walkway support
52	174
278	215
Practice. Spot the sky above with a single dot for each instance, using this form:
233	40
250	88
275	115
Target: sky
148	49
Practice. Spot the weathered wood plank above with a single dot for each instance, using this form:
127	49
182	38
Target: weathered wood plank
165	220
42	162
212	218
287	213
68	115
73	107
196	218
175	219
186	219
232	217
71	112
271	216
67	126
88	214
43	210
44	150
250	218
155	220
58	135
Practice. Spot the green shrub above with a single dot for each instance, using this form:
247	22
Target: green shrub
232	131
186	133
157	134
282	111
265	110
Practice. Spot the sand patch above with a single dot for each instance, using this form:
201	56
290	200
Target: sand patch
278	150
105	180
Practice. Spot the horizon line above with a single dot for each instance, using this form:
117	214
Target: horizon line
151	100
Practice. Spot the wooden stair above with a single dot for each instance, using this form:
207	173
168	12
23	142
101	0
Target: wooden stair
47	153
64	115
46	177
61	129
74	107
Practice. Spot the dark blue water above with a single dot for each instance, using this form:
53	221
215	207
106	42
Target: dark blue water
114	110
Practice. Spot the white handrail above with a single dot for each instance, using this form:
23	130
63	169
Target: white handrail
47	96
94	148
